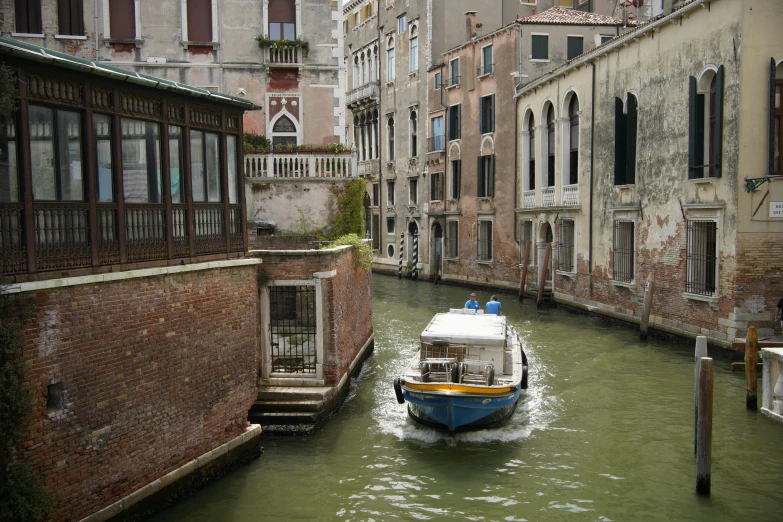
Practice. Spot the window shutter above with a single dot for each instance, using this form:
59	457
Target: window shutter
692	127
122	19
491	177
432	188
70	18
458	133
28	16
481	188
459	179
619	143
631	126
283	11
717	144
771	144
199	20
482	130
492	113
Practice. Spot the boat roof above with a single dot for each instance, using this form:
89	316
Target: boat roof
485	330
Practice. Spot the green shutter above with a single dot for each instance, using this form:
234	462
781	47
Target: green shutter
771	160
459	122
491	177
620	135
717	143
540	47
631	124
459	179
482	130
692	127
575	46
481	189
492	113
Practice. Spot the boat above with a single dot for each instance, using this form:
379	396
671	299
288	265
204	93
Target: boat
469	372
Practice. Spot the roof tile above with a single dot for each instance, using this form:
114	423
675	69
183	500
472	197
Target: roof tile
566	16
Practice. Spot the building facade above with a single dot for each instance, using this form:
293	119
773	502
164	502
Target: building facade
675	139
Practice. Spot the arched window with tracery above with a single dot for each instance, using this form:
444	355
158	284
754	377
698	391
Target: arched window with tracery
550	146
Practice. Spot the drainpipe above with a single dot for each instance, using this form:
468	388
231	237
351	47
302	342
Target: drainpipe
220	43
95	34
379	148
592	162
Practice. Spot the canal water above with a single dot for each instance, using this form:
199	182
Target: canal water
605	432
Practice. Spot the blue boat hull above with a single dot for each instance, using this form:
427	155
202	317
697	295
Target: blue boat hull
455	412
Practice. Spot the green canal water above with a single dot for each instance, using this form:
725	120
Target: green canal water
605	432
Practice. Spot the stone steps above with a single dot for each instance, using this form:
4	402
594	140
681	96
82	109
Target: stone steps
289	409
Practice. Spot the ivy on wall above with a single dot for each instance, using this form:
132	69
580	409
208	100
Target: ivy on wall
350	208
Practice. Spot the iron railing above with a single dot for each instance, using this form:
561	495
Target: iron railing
623	251
436	143
565	258
702	261
451	81
485	69
293	329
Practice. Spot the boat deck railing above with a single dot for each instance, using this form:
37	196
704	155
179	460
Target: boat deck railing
443	351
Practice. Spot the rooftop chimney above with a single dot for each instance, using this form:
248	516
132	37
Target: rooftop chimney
470	24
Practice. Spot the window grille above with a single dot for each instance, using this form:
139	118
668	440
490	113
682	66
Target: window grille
566	246
701	258
376	232
484	241
452	239
293	329
623	246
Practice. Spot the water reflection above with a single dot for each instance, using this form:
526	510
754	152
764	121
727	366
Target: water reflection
605	432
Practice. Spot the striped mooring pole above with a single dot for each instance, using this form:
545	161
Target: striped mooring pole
415	274
402	249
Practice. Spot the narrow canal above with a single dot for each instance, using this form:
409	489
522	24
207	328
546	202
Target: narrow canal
604	433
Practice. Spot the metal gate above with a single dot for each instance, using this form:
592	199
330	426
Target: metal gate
293	329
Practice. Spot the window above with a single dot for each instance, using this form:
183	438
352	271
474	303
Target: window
525	235
414	144
9	166
455	131
401	24
531	177
605	38
390	193
390	250
550	143
177	163
437	81
56	154
625	128
390	61
376	194
487	114
413	191
282	19
623	249
70	17
705	125
414	59
103	157
454	72
200	21
390	225
233	179
437	141
575	47
376	232
565	246
284	132
486	176
292	316
436	186
702	258
28	16
484	252
122	19
540	47
776	121
452	238
141	161
390	135
573	141
455	179
486	61
205	166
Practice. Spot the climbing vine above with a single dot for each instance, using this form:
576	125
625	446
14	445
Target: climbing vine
350	208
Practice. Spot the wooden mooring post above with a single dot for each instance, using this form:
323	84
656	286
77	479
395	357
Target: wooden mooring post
649	287
542	277
704	428
523	279
701	351
751	359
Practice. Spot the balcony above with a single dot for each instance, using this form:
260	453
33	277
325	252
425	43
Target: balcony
362	96
485	70
571	195
529	199
548	196
436	143
450	82
369	168
300	165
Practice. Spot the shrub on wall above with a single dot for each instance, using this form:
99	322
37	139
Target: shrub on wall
362	247
350	208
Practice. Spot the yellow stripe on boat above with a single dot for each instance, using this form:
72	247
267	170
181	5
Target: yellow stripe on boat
459	388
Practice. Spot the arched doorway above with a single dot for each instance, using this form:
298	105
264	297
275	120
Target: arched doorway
367	216
437	250
544	236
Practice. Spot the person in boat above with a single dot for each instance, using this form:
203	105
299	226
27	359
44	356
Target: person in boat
472	303
493	306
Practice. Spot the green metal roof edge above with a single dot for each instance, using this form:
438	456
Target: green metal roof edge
48	56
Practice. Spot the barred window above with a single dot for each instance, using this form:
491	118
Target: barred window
623	247
292	327
484	241
702	258
452	238
566	246
376	232
525	232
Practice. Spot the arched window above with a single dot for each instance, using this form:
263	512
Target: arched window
375	133
284	132
573	138
414	149
705	124
390	60
377	76
625	140
414	60
550	145
370	64
355	72
531	178
362	70
390	134
363	149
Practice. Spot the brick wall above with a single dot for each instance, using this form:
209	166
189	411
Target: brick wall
155	371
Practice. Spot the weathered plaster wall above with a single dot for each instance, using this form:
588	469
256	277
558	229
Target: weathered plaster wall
290	203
